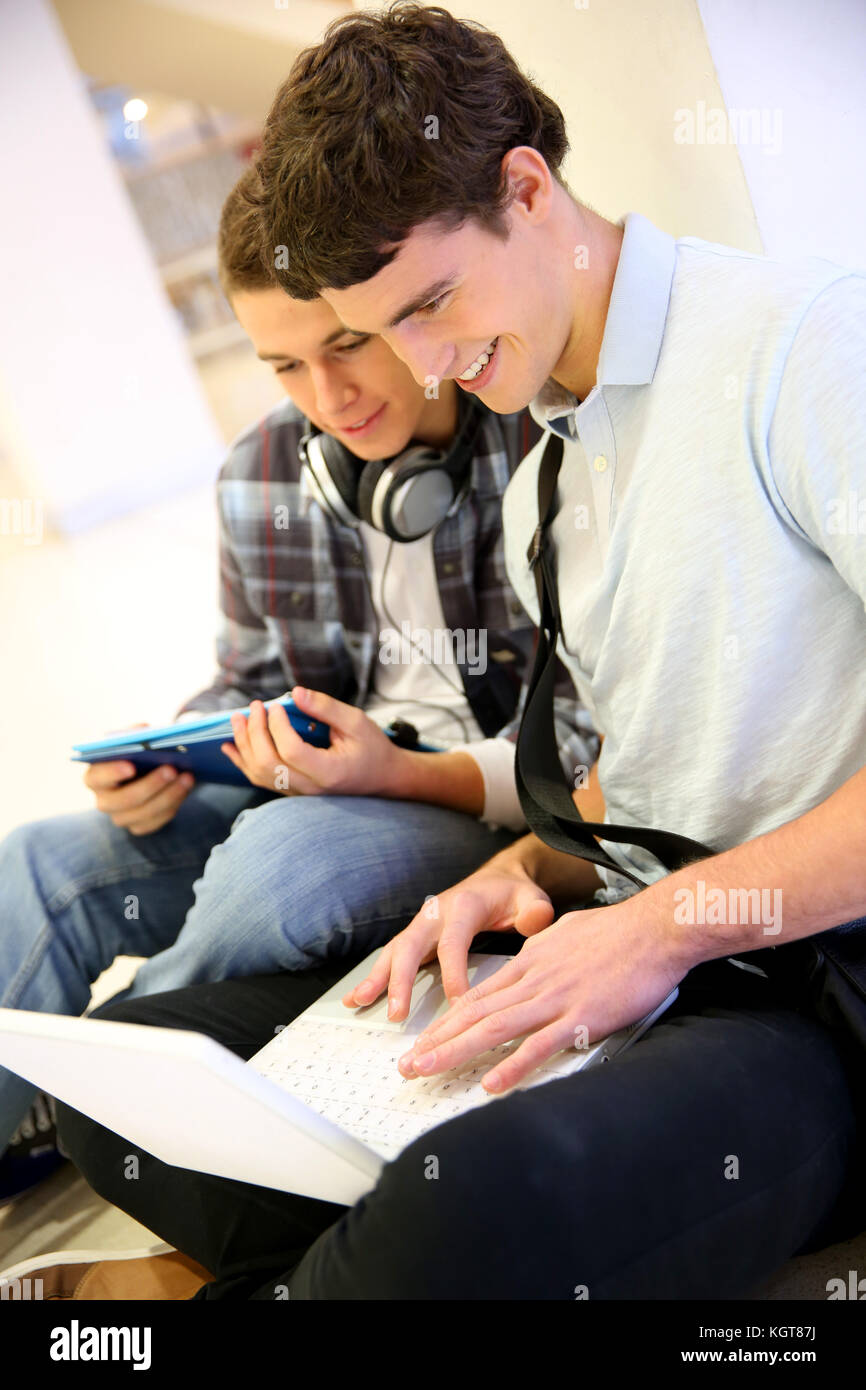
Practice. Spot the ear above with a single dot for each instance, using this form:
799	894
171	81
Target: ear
530	182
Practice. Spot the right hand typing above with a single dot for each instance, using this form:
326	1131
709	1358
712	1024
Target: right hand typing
143	805
494	898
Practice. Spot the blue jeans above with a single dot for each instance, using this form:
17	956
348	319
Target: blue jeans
239	883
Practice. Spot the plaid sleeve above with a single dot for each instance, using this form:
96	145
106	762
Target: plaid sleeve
251	663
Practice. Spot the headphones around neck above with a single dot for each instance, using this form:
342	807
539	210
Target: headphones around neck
406	496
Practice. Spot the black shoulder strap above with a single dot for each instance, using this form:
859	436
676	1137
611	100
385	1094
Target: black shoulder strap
545	795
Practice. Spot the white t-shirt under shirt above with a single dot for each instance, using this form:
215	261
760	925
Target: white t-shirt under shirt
424	685
427	693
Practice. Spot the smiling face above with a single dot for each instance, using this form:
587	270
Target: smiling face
495	314
348	384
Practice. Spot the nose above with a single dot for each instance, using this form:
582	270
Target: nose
424	357
332	391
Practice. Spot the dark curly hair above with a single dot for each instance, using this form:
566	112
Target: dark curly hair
241	258
392	120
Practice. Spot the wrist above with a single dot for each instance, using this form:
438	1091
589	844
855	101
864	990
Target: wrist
398	779
450	779
680	945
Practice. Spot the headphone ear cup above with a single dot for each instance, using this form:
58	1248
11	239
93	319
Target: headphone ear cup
366	487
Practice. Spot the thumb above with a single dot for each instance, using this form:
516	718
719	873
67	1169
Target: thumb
534	914
324	707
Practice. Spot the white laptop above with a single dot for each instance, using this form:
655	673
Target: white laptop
318	1111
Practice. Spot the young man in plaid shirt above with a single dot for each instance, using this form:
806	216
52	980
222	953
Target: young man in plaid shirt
229	881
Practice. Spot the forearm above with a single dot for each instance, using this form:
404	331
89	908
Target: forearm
444	779
802	878
455	779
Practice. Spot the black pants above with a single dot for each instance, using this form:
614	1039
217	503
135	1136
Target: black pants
692	1166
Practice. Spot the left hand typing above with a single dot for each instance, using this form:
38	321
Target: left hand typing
578	980
361	760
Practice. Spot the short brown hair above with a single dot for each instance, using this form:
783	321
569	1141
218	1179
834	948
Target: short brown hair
242	263
394	119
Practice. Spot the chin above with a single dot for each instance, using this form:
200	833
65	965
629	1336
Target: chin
504	399
376	448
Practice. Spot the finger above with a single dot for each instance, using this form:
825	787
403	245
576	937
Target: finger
170	794
411	949
136	793
534	917
234	757
335	713
269	764
532	1052
474	1006
508	974
170	797
241	736
496	1030
100	776
369	989
150	824
263	753
465	916
301	758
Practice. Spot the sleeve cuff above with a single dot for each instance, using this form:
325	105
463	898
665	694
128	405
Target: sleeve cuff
495	760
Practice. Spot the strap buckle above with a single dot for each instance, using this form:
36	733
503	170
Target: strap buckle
533	552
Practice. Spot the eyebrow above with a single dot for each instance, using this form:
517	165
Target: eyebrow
331	338
432	292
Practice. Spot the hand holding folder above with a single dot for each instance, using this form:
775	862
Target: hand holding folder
192	745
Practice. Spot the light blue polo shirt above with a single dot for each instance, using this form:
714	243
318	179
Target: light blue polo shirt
710	539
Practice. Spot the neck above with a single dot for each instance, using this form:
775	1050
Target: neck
437	425
599	243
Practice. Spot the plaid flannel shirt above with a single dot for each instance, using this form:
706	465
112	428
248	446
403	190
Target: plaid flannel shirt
294	599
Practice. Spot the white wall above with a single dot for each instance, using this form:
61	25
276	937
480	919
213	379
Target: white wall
100	401
806	62
620	69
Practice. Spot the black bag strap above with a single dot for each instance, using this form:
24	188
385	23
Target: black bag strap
545	796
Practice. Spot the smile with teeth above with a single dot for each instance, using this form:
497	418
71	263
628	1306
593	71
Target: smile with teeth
477	367
359	424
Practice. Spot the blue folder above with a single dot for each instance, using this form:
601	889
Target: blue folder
193	746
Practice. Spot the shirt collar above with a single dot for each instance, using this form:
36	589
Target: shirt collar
635	322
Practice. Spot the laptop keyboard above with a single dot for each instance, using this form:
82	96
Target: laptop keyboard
349	1075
